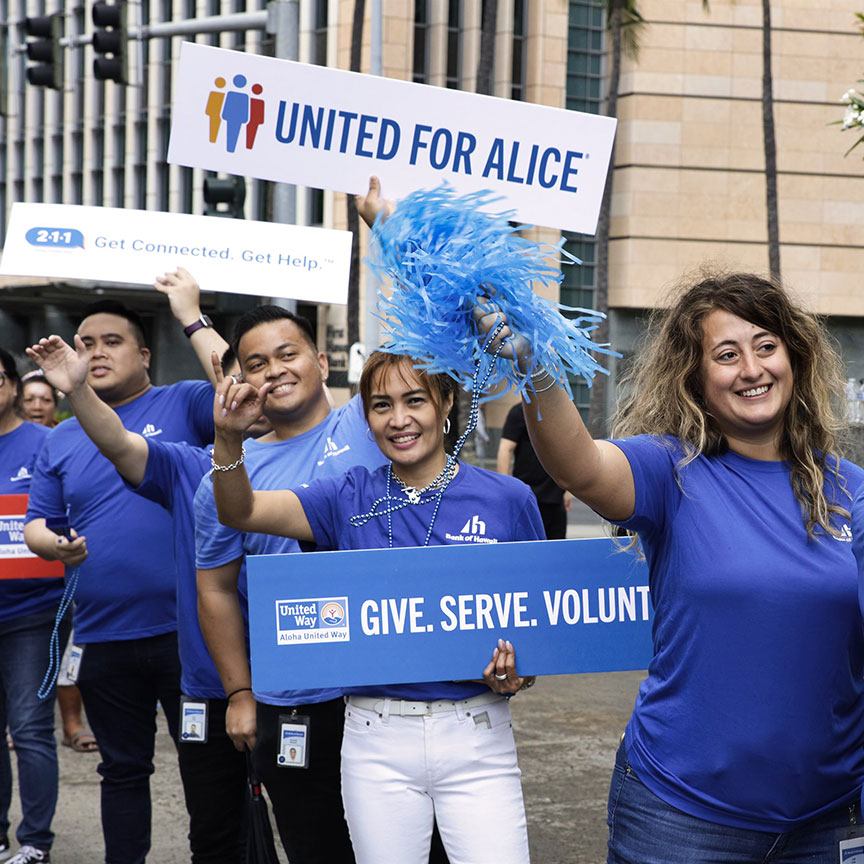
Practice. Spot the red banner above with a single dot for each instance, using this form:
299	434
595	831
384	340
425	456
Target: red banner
16	560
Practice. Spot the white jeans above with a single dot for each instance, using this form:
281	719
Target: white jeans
459	767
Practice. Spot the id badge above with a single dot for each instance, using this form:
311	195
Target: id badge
74	667
193	720
293	741
852	851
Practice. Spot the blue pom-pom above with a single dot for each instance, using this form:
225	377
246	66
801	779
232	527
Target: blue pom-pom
439	249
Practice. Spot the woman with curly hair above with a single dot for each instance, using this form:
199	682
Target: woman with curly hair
745	743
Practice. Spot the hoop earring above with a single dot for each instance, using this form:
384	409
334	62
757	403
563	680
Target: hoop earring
369	435
447	426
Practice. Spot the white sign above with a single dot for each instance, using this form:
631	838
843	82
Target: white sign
315	126
134	246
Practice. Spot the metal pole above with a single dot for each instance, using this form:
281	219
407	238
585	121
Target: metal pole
283	22
371	325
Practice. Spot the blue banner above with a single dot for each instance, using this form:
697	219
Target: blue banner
387	616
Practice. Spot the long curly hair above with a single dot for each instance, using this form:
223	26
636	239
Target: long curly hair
664	386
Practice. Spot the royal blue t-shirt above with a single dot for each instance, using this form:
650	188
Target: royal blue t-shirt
18	451
127	587
752	714
331	448
174	471
477	507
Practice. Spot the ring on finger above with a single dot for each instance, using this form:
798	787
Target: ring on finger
233	379
500	677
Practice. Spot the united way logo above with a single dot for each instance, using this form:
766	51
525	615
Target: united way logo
235	109
316	619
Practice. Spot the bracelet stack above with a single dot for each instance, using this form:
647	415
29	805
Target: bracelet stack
542	375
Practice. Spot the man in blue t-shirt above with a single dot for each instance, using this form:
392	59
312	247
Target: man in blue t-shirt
308	440
168	472
125	615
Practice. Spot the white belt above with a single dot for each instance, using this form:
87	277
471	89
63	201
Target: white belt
401	708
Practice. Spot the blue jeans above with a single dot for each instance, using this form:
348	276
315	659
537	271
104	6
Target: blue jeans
643	829
120	684
23	661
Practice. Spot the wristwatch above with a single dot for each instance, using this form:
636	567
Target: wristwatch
195	326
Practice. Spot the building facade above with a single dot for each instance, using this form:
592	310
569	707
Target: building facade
689	181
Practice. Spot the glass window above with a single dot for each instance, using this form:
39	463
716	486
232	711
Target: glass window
421	24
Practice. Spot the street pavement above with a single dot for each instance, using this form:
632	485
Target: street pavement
567	731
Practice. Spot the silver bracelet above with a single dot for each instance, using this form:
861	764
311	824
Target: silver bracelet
552	383
232	466
536	376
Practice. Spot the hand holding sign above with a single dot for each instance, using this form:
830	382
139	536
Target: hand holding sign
501	675
65	368
184	295
371	205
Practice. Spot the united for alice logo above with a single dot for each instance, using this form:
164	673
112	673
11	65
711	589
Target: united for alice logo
233	109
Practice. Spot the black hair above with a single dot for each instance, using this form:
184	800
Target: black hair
9	366
263	315
229	358
114	307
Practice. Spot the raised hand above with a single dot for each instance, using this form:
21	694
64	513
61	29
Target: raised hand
487	316
237	405
370	205
183	293
65	368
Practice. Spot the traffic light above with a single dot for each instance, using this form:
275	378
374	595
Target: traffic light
230	191
46	49
110	38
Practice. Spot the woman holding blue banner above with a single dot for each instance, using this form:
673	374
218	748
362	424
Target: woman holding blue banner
412	752
745	744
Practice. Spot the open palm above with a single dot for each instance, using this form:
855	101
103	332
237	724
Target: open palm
65	367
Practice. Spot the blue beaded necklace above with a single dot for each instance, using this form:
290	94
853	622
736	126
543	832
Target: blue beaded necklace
387	504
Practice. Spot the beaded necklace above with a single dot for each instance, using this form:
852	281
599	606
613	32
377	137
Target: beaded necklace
387	504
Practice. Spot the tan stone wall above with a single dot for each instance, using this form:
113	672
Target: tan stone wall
690	185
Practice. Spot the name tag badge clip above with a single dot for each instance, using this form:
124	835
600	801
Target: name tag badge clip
293	748
194	718
74	668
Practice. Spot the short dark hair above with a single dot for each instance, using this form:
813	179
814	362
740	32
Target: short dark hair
9	366
229	358
114	307
263	315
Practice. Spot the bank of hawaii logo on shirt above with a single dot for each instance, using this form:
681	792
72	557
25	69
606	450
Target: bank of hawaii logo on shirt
315	619
234	108
23	474
473	531
331	448
845	534
149	431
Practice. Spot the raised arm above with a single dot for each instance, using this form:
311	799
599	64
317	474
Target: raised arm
222	625
596	472
184	297
237	405
66	369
